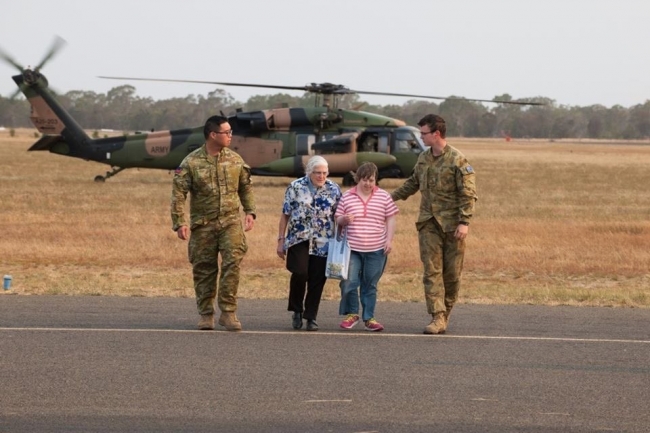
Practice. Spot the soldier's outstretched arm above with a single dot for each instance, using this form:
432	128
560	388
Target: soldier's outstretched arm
408	188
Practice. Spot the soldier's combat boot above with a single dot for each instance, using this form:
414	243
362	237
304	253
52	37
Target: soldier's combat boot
229	320
207	322
438	325
447	314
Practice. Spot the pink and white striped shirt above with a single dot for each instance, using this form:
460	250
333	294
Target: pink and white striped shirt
367	232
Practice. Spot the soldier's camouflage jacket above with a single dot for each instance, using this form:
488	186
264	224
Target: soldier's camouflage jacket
447	185
218	185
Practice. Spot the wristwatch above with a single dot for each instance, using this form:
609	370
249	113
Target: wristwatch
465	223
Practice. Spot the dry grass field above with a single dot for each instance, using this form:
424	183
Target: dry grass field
557	223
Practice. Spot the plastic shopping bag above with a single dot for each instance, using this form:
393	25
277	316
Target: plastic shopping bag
338	256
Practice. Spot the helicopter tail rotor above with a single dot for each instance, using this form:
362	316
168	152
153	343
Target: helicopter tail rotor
8	59
57	44
32	75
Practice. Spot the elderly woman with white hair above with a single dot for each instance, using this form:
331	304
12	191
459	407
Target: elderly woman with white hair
306	225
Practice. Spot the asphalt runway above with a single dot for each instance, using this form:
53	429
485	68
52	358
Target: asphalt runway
108	364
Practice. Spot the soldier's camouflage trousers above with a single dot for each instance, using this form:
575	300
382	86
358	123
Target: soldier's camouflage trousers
442	256
206	243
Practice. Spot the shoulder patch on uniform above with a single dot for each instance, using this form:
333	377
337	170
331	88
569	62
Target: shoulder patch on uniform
178	170
469	169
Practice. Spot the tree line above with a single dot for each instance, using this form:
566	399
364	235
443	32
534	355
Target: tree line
121	109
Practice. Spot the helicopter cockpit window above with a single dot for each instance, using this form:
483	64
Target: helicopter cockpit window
407	141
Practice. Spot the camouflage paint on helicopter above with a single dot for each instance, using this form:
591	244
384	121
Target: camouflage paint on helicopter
274	142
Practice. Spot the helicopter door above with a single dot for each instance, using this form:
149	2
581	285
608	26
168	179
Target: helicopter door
367	142
373	141
406	149
304	143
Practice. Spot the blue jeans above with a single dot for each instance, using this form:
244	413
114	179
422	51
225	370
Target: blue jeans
365	271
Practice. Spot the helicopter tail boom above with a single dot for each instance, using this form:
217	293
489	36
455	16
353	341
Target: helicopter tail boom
49	117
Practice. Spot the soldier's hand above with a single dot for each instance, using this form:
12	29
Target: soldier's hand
249	222
461	232
183	232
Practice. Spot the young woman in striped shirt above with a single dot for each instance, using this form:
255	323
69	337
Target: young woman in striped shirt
369	215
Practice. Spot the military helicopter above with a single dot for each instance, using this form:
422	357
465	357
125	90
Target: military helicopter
274	142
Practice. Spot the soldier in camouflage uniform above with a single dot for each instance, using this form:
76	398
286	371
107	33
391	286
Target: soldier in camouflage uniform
219	182
447	185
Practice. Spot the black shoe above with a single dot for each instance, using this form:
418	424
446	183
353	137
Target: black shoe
312	325
296	320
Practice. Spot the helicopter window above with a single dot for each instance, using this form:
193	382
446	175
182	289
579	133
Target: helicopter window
405	141
368	143
304	143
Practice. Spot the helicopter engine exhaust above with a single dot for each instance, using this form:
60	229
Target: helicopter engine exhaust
277	119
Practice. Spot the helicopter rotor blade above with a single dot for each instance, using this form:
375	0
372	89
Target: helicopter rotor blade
323	88
58	43
14	95
448	98
7	58
266	86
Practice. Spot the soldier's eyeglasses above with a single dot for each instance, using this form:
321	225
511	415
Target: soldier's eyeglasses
228	132
422	134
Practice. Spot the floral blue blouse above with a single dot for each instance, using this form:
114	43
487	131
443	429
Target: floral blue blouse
311	214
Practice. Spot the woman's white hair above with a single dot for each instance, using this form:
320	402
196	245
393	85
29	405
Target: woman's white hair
314	162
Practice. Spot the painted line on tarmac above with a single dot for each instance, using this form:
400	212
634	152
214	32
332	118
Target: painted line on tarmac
328	401
338	334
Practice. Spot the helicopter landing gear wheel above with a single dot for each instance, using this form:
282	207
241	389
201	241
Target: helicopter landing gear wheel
390	172
348	180
112	173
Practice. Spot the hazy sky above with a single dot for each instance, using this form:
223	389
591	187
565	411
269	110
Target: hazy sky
577	52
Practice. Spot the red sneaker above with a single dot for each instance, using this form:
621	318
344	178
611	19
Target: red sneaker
373	326
350	321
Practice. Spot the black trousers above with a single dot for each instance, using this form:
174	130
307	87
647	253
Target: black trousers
307	276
